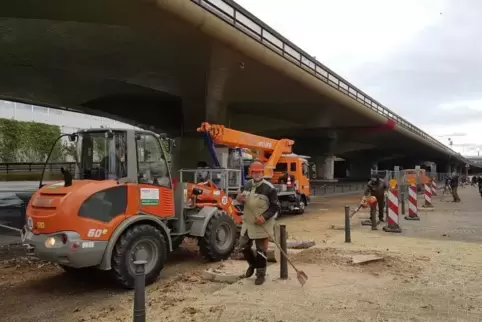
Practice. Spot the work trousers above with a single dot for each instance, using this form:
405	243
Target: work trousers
455	194
381	207
256	259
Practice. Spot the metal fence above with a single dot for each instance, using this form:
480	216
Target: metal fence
243	20
320	189
35	167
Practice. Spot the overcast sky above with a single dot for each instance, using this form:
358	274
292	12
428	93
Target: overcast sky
420	58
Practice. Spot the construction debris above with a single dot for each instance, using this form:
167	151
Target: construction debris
227	272
300	244
363	259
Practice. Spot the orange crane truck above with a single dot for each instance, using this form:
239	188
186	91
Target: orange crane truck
120	205
288	172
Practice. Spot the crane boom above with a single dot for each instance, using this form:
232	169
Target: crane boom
222	135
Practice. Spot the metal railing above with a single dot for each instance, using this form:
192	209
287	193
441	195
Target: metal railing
320	189
35	167
228	180
243	20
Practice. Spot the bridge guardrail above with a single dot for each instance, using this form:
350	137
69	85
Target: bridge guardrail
247	23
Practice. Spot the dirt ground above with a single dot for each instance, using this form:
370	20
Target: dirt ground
430	272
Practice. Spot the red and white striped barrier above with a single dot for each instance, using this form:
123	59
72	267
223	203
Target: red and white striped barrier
412	203
428	196
434	188
393	220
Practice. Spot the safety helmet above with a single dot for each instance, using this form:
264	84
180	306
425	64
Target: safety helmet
372	200
256	166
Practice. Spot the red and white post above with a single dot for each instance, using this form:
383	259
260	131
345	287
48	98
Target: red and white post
393	219
412	203
428	196
434	187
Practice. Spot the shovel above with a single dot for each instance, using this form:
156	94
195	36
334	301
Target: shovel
300	275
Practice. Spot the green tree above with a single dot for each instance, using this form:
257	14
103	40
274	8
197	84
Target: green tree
10	134
37	141
28	141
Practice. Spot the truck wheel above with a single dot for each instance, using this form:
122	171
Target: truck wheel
301	207
219	239
151	241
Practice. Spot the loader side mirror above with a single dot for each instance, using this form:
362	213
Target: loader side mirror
72	137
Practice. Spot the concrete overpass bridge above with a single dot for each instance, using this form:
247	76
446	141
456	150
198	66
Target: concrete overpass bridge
171	64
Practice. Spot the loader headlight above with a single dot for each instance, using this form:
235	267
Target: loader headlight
50	242
56	241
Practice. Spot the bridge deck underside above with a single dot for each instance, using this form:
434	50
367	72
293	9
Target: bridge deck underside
133	62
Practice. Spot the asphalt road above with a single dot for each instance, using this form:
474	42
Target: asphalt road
13	194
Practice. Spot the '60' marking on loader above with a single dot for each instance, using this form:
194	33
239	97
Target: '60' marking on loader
96	233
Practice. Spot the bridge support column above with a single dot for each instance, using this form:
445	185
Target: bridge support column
325	167
200	106
448	168
221	68
187	153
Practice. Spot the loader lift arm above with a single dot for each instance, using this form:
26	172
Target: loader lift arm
270	149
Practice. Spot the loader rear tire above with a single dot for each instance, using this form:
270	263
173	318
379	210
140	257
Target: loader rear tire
145	237
219	239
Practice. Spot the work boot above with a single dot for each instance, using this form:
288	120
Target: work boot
260	276
251	259
249	271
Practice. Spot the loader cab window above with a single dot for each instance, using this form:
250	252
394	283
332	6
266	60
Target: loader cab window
306	169
293	167
102	155
151	161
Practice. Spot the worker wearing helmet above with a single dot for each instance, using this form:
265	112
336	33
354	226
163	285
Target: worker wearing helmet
261	206
376	188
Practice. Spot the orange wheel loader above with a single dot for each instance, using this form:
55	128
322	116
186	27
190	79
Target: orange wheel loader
120	205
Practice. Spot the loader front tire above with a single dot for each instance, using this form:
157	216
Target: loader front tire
219	239
140	238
